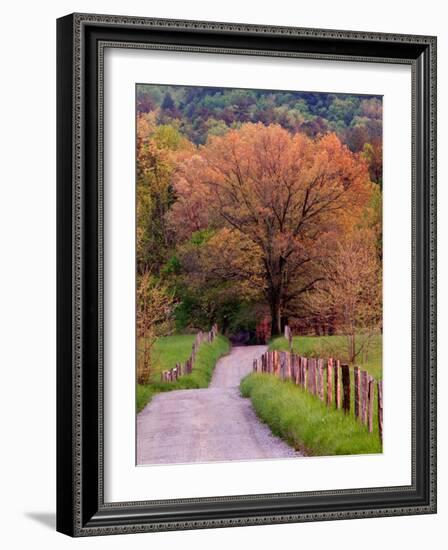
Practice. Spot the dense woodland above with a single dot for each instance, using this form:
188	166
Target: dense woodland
256	209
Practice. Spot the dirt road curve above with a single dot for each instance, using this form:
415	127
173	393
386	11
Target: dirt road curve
213	424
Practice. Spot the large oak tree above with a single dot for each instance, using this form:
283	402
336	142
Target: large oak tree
289	195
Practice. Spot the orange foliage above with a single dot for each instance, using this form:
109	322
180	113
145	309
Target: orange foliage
290	195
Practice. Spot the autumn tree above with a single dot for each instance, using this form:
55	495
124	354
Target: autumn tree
350	290
158	149
289	196
221	271
154	308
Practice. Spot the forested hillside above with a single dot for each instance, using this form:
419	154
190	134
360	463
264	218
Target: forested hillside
200	112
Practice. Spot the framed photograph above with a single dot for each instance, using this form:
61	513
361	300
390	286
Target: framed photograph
246	274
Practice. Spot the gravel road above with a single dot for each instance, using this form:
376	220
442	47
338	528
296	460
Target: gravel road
212	424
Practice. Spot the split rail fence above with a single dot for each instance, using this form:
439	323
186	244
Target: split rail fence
329	380
182	369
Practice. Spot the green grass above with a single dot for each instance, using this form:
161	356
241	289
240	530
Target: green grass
335	346
304	421
171	349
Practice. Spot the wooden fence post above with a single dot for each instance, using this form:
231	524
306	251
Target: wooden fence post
330	381
298	371
346	388
370	407
289	359
309	380
337	385
380	408
288	336
274	363
309	368
320	379
312	376
305	372
283	364
357	374
314	381
364	395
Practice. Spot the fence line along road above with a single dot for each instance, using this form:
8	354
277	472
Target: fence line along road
329	380
181	369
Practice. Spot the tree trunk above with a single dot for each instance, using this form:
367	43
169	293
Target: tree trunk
276	318
352	348
274	269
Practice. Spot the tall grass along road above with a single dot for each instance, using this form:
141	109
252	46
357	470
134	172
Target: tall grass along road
204	425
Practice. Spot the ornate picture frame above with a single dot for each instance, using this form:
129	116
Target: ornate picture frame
81	507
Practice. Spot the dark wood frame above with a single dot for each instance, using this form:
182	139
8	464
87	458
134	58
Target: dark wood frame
81	510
